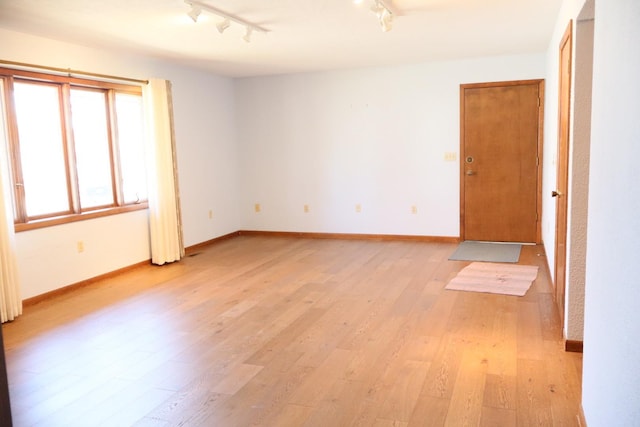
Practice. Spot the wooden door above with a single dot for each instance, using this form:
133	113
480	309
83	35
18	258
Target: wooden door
501	133
562	177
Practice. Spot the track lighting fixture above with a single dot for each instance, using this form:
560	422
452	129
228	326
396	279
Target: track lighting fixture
223	25
194	13
383	13
377	8
197	7
247	35
386	20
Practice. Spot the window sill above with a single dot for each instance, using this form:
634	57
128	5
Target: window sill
65	219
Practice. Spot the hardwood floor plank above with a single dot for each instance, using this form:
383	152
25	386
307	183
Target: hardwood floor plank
277	396
290	415
429	411
381	422
564	384
260	398
295	327
500	392
404	393
492	417
530	342
189	405
549	317
331	409
440	380
435	319
465	408
422	348
283	331
135	408
533	394
236	379
318	384
76	412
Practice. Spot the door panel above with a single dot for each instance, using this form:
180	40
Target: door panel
500	124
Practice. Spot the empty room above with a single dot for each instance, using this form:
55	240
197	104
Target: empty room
319	212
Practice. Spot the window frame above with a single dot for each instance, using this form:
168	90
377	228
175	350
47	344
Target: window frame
22	221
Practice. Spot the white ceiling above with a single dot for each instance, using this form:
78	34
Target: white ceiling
305	35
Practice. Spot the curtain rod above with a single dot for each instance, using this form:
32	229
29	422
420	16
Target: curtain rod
69	72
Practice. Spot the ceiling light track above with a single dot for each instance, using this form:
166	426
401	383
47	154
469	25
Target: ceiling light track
197	7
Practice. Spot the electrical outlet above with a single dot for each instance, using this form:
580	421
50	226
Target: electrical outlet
80	246
257	207
210	214
358	208
414	209
306	208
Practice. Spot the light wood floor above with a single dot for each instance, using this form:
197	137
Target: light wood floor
278	331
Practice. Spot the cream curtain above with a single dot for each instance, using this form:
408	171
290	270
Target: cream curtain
10	300
164	203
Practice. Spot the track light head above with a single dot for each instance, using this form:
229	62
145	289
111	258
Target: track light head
223	25
383	13
386	20
377	8
247	35
194	13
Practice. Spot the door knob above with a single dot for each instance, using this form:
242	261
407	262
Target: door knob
554	193
470	172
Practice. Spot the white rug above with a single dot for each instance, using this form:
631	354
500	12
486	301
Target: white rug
494	278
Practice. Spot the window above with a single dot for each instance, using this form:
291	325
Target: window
76	147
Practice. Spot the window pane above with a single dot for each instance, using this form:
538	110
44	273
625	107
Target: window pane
41	148
91	138
131	147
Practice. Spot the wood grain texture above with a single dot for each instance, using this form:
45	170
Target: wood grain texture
565	62
284	331
500	173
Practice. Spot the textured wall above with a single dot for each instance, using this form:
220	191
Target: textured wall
579	172
611	375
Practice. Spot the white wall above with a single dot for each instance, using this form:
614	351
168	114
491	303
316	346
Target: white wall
207	154
374	137
48	258
611	376
207	167
579	173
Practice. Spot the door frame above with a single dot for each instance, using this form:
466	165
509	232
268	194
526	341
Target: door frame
540	83
562	171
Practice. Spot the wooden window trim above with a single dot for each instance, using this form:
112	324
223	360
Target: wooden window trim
73	81
66	219
76	213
